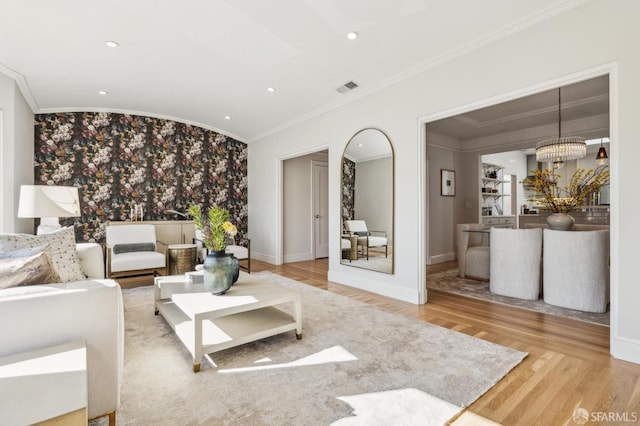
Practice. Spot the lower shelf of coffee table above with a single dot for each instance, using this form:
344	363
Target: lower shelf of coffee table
227	331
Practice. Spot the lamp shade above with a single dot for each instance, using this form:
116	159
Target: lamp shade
48	201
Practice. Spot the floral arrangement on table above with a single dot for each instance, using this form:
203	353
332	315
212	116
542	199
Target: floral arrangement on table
215	226
563	200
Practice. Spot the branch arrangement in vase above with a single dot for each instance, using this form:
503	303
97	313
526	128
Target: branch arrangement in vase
215	226
563	200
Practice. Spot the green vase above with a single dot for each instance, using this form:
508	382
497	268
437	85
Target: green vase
221	270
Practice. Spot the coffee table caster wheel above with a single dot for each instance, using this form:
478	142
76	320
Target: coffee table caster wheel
298	336
156	312
196	368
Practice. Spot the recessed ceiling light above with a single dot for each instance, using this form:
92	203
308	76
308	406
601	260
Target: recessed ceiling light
352	35
111	43
103	92
271	89
227	117
360	145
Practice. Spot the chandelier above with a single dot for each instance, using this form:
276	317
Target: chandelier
560	149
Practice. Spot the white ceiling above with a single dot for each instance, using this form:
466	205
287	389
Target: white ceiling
200	60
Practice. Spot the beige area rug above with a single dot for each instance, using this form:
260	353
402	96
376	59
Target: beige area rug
450	282
354	363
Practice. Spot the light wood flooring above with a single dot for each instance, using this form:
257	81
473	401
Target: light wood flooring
568	366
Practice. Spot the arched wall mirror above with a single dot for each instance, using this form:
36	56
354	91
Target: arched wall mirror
367	196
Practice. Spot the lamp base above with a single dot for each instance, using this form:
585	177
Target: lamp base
48	225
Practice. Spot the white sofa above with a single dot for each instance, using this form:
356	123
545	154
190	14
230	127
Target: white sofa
38	316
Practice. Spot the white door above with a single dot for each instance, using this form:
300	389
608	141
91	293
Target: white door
321	209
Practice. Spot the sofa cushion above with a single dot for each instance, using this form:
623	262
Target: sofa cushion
61	247
26	267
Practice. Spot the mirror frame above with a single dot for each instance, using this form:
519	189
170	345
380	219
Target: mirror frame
393	196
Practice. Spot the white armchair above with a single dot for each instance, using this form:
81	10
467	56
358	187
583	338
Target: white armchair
473	251
516	257
131	251
367	238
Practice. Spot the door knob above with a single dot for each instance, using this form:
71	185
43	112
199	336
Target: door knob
317	216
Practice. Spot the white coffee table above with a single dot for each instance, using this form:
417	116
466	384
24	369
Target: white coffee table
206	323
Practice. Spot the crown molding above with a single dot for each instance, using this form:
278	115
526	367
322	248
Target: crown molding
22	85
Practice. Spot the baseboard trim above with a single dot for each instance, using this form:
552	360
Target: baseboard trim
379	287
626	349
442	258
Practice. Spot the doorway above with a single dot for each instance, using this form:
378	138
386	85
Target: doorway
305	182
585	112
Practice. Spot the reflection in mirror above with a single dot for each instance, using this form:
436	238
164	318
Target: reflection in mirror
367	202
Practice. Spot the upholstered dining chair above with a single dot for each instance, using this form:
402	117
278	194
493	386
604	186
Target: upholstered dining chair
473	251
367	238
131	251
576	269
515	262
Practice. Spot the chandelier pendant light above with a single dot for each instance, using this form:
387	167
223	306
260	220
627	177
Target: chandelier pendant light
602	156
560	149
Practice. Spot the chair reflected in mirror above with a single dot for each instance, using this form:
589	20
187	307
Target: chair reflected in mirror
367	238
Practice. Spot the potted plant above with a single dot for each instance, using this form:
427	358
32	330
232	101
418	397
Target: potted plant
560	201
221	269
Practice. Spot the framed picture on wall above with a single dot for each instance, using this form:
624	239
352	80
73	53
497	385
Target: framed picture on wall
447	183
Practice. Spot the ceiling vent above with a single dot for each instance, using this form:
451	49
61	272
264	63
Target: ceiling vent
347	87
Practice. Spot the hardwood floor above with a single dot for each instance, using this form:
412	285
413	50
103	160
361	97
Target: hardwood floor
568	366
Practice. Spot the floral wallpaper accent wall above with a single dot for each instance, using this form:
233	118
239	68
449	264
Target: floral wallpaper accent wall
119	160
348	189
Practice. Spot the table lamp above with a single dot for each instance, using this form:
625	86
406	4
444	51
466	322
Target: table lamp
48	203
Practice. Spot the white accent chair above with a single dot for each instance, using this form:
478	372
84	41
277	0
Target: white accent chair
576	269
473	251
242	253
516	258
131	251
366	238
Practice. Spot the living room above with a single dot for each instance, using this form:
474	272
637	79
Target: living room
553	47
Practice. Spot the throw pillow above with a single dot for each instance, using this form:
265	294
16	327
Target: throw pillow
26	267
61	248
129	248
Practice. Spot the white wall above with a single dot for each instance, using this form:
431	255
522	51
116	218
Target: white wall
16	162
298	203
551	53
373	195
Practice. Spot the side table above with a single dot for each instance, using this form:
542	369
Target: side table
46	386
181	258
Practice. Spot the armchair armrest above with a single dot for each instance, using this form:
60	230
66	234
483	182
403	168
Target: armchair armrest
91	259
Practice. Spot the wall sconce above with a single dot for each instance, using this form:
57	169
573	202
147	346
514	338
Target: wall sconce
48	203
